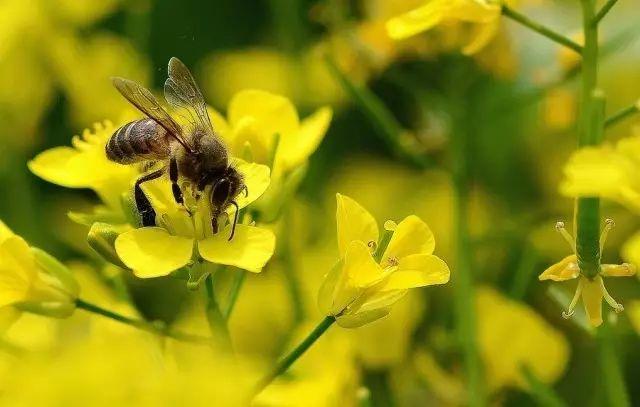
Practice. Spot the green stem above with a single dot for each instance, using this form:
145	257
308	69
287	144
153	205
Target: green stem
603	12
289	268
540	29
621	115
543	394
463	282
591	124
295	354
215	319
140	324
612	376
234	292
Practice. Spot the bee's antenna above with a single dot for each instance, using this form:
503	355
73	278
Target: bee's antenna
246	190
235	219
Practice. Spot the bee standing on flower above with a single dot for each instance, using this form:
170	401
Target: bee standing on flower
194	151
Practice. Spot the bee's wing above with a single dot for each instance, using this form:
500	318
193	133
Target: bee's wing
182	92
144	100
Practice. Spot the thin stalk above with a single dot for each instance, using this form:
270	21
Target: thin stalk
603	12
621	115
463	282
234	292
591	125
289	268
295	354
215	319
540	29
540	391
614	386
140	324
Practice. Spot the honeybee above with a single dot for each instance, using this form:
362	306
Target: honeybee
193	151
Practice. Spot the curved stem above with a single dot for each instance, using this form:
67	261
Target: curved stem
603	12
295	354
621	115
234	292
540	29
140	324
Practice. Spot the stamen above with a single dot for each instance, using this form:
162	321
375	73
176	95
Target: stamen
617	307
571	310
393	261
608	225
560	228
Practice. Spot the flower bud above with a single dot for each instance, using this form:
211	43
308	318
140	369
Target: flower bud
102	238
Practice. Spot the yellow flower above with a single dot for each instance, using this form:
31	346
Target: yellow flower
157	251
85	165
607	172
532	342
484	15
265	121
359	289
32	281
592	290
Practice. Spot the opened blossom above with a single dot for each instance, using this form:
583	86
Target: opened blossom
591	290
362	288
184	234
85	165
483	16
32	281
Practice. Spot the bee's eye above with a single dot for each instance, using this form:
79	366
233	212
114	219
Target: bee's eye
220	191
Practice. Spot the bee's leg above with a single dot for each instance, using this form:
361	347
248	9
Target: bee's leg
235	219
246	190
173	176
146	211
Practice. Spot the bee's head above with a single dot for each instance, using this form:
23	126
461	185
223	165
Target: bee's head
226	188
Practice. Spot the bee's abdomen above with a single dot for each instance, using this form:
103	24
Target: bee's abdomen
137	141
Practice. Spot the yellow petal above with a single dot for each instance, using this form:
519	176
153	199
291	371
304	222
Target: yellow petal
565	269
219	123
374	299
412	236
362	318
617	270
354	223
360	267
8	315
153	252
256	178
359	271
596	172
17	270
59	165
481	37
592	300
5	232
295	148
473	11
418	20
328	288
417	270
272	114
250	249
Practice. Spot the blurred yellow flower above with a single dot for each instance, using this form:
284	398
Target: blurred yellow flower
269	125
85	165
484	15
607	172
559	108
158	251
531	342
360	288
591	290
32	281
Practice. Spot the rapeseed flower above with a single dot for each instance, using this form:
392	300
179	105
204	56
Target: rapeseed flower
483	15
158	251
85	165
606	171
591	289
32	281
362	288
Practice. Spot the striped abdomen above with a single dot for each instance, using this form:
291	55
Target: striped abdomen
137	141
